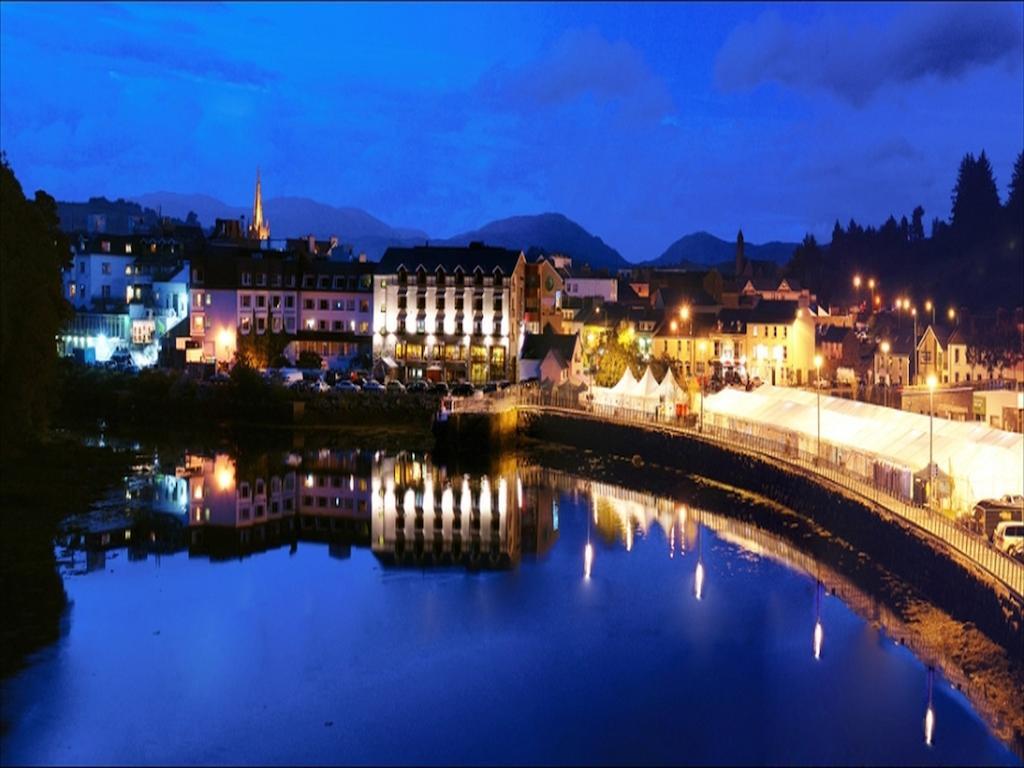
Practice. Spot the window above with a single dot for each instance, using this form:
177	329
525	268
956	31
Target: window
290	282
339	305
351	305
246	324
246	300
421	326
289	302
364	305
246	278
307	304
275	301
105	268
324	304
105	292
261	324
198	296
275	281
364	327
323	325
337	325
261	301
276	324
289	325
261	279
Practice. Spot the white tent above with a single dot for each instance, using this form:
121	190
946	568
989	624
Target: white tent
647	387
669	388
982	461
627	384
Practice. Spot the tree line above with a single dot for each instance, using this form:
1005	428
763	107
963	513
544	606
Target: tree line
975	258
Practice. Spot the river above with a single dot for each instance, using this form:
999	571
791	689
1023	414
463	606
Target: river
366	606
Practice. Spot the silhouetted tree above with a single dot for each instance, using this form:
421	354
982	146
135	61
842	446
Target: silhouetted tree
917	224
975	200
32	310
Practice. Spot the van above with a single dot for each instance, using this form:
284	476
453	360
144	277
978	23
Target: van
1009	537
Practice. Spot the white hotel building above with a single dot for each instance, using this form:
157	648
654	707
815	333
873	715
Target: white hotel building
446	314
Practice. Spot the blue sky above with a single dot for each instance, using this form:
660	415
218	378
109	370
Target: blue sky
641	122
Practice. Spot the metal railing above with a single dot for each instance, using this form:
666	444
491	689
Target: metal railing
781	446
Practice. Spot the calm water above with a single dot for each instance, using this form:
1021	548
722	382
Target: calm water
291	609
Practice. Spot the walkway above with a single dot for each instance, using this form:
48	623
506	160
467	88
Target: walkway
973	548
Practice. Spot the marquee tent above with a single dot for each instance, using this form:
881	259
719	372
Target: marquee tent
982	462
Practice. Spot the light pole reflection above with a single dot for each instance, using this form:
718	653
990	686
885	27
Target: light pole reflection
819	633
929	715
698	580
588	552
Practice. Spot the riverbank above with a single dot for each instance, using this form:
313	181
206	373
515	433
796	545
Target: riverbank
991	675
944	579
40	485
171	400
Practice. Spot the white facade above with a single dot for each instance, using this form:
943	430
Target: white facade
606	288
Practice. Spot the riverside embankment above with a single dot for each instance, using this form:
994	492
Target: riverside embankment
942	574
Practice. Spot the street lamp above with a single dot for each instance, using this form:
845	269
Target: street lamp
929	306
932	382
888	376
871	285
684	314
703	346
951	314
817	365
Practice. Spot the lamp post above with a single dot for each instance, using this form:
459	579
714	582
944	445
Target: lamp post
871	285
888	376
929	306
932	381
702	348
856	287
684	314
951	314
817	365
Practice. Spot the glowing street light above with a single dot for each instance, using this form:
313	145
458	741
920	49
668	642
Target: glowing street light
703	346
588	559
929	306
888	376
951	314
871	286
932	382
817	366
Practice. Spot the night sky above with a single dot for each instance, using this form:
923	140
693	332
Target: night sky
642	123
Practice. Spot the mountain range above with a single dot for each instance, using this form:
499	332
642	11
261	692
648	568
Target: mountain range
548	232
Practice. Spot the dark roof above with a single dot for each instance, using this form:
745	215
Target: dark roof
702	323
901	344
774	312
676	296
488	258
834	334
537	345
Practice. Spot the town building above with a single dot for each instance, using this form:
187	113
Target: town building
448	313
551	357
127	292
584	282
336	312
542	299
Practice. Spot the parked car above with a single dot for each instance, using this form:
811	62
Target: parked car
463	389
344	385
418	386
1009	536
394	386
489	387
440	388
373	386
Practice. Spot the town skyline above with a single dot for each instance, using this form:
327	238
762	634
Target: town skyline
640	131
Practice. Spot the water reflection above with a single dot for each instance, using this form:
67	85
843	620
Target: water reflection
409	512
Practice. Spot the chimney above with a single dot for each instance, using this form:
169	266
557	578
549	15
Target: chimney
362	258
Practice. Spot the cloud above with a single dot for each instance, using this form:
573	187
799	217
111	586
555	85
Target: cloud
581	63
855	61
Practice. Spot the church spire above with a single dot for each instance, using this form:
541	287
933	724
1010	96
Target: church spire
258	228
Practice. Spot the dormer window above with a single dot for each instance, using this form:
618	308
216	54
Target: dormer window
261	279
323	281
421	277
460	278
246	278
403	277
439	277
478	276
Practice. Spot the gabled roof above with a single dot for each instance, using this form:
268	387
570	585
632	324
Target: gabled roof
773	312
941	332
833	334
537	345
488	258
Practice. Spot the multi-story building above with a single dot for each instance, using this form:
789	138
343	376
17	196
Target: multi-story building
583	282
239	290
932	354
127	293
774	340
542	296
336	312
448	313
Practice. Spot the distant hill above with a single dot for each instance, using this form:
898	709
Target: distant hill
122	216
549	232
294	217
705	249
